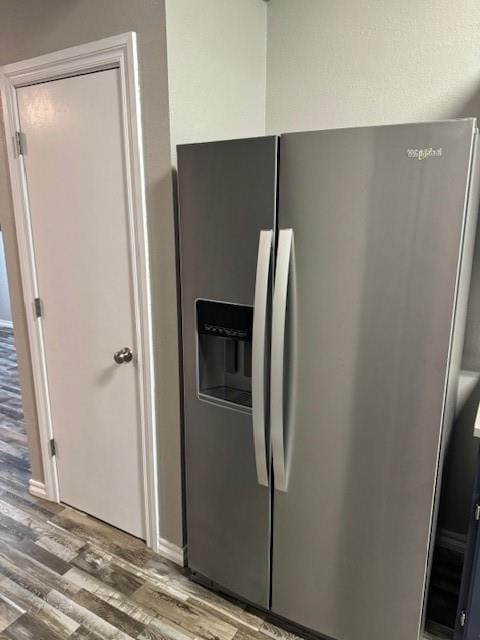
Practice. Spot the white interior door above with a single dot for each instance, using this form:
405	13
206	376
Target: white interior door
75	172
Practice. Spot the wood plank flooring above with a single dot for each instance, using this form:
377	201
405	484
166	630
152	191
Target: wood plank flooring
67	575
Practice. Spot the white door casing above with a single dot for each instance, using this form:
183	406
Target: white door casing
117	54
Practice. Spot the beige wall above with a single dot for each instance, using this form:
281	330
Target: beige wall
343	63
216	69
33	27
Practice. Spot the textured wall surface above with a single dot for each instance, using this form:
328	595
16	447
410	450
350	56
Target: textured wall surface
216	69
30	28
344	63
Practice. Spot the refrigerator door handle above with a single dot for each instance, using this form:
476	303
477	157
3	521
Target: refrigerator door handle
258	354
279	311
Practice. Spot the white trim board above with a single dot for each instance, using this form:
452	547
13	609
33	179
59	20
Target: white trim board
171	552
114	52
37	489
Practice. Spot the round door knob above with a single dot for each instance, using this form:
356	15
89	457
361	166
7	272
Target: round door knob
124	355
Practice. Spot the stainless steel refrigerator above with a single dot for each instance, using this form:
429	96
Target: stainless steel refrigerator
324	280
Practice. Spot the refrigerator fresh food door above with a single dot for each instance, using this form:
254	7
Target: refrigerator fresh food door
227	200
372	240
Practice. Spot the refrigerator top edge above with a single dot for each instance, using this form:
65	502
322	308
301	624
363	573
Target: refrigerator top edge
187	145
471	120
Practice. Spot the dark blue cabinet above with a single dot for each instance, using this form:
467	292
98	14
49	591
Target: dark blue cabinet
468	615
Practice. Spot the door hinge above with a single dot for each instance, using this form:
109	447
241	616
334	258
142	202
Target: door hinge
53	447
38	307
20	143
477	512
463	618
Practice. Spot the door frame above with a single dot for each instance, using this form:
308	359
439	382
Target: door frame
120	52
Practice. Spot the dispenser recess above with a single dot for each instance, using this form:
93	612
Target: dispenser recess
224	345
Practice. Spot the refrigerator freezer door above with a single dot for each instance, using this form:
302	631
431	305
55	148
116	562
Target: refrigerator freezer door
227	196
378	219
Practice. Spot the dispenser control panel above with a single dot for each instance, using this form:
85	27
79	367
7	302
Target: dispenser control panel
224	320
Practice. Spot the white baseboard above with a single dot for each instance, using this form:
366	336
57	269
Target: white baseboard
37	489
6	323
170	551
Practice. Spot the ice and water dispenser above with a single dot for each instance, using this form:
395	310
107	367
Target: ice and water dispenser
224	353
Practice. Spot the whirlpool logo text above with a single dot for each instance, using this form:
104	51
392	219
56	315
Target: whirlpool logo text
423	154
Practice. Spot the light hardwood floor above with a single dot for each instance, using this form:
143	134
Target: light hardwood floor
67	575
